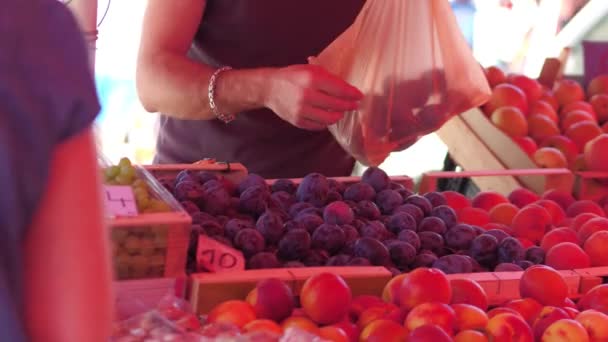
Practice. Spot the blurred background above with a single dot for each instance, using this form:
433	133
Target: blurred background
516	35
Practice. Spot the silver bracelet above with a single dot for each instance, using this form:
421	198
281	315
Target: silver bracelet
226	118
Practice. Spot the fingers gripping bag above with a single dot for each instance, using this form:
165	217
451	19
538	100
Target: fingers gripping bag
415	68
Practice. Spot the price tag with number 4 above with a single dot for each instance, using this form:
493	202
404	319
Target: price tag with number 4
119	200
214	256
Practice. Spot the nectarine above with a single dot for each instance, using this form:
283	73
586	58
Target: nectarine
540	128
595	247
533	285
566	91
565	330
467	291
596	324
383	330
424	285
558	235
326	298
583	132
596	158
506	95
432	313
508	327
567	256
510	120
527	144
544	108
532	222
600	106
598	85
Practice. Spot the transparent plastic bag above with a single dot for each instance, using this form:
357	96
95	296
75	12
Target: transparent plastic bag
415	68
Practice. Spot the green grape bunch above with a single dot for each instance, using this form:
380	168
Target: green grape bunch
124	173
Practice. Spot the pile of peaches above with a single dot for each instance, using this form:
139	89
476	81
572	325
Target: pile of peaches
554	229
562	127
423	305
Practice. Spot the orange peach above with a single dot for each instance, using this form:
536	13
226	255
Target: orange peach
595	247
487	200
495	76
584	206
372	314
431	313
547	316
533	285
456	200
271	299
473	216
563	198
581	219
575	117
596	324
596	299
302	323
362	303
529	86
544	108
424	285
583	132
503	213
566	91
507	327
333	334
390	293
550	158
527	144
528	308
427	333
326	298
351	329
558	235
469	317
398	315
470	336
521	197
567	256
578	105
532	222
595	224
598	85
383	330
596	158
236	312
266	325
467	291
600	106
510	120
564	144
549	97
506	95
540	127
555	210
502	310
565	330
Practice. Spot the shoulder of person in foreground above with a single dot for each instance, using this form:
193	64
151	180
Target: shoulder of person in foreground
66	261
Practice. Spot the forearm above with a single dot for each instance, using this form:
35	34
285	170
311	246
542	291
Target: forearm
177	86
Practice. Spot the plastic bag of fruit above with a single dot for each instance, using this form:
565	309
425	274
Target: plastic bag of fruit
415	68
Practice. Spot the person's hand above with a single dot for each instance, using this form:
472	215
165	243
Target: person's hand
309	97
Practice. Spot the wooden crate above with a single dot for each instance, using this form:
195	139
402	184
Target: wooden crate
591	185
210	289
236	172
151	245
232	171
429	179
476	144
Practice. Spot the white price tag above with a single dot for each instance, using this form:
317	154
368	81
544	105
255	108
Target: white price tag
119	200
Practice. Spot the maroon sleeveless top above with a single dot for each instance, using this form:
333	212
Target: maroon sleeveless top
250	34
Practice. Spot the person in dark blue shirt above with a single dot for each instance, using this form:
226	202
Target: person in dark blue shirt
55	277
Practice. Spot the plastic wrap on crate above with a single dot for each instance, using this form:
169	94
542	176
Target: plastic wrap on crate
150	245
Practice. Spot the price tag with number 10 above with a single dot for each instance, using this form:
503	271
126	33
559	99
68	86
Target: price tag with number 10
214	256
